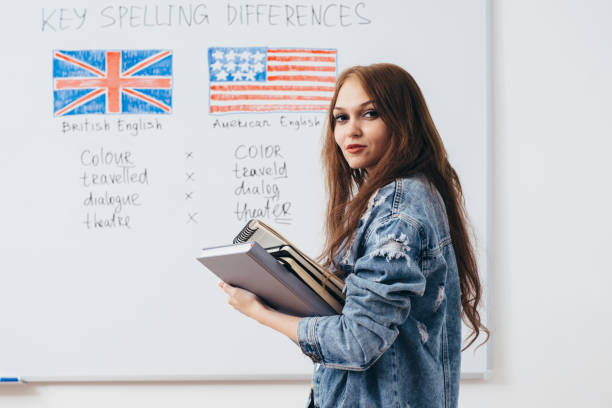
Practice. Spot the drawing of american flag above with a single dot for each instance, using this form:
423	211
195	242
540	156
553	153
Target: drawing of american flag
260	79
101	81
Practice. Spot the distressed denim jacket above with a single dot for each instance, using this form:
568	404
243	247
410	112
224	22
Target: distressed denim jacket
397	342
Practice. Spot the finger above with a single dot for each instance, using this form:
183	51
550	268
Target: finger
229	289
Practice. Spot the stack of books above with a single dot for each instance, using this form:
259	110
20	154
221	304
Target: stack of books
264	262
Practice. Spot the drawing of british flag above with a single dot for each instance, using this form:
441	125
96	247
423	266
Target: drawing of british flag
102	81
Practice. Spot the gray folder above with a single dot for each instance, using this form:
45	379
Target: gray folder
251	267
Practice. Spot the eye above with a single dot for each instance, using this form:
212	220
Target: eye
371	114
341	117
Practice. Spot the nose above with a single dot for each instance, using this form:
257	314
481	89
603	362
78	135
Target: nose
354	129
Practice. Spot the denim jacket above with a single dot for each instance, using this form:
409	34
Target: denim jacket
397	342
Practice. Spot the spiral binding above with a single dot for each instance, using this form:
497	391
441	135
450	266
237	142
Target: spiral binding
244	235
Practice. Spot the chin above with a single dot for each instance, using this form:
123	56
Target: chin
356	165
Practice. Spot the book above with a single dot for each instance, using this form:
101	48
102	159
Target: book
251	267
257	231
310	275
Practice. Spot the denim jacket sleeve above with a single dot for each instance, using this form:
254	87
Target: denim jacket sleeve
377	300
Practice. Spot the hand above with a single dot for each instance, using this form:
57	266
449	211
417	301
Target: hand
244	301
249	304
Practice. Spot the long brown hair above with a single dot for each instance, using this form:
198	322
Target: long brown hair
415	148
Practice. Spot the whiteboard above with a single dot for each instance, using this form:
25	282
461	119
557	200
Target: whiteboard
108	197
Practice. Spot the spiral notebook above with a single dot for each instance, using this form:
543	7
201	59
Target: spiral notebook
257	231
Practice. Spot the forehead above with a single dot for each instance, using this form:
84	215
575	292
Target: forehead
351	94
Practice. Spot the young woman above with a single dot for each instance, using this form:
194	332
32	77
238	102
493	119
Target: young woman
397	234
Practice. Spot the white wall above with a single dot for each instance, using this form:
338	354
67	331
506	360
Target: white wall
552	130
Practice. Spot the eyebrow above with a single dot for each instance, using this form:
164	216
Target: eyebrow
365	103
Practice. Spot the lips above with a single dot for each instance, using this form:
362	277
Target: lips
355	148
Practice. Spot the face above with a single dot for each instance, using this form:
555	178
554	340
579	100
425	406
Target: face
359	131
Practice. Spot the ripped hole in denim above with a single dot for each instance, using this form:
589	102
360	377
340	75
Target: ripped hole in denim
423	332
393	247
